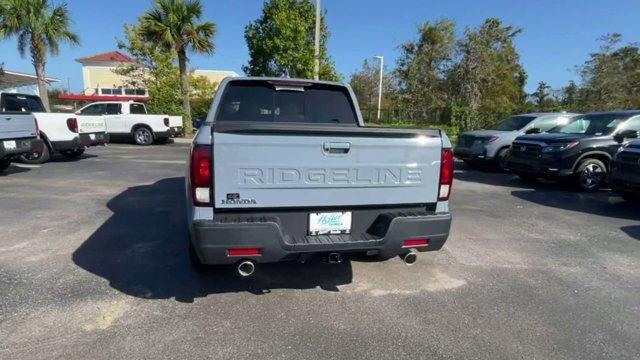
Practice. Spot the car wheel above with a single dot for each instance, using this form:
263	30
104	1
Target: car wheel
73	153
4	164
143	136
591	174
502	159
37	158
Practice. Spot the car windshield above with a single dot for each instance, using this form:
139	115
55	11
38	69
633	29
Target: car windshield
594	124
514	123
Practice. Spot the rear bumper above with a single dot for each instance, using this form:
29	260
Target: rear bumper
176	131
82	141
23	146
212	239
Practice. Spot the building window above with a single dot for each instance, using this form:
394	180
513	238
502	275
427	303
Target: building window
129	91
141	92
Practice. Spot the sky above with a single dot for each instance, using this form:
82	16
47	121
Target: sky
557	34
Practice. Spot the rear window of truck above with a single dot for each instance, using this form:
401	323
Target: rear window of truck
265	101
21	103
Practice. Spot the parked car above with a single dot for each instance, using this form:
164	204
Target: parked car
284	169
18	134
625	171
129	120
582	150
61	132
196	123
492	146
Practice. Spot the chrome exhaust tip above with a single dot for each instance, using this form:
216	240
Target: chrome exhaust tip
410	257
246	268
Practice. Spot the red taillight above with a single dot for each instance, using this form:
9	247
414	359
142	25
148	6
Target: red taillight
244	252
446	175
415	243
201	180
166	122
72	124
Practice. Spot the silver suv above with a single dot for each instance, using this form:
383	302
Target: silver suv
492	146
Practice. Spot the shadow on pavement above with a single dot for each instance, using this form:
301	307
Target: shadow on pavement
59	158
602	203
142	251
633	231
13	169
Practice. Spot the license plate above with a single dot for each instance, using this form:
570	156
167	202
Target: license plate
330	223
10	145
92	136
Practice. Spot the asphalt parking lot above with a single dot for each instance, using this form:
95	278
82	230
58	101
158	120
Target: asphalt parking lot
93	265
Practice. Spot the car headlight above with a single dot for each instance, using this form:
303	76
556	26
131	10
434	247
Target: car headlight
562	147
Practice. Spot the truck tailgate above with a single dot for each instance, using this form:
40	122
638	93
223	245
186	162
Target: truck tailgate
86	123
300	166
17	125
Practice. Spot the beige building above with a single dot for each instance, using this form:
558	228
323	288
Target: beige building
100	80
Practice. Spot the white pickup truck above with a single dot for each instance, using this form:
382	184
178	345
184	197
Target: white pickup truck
64	133
18	134
284	169
129	120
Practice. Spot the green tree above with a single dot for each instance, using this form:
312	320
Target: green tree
489	77
570	96
366	83
424	65
154	70
541	95
281	41
177	25
202	92
611	76
39	26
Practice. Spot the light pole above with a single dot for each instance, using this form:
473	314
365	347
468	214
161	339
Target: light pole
316	61
381	58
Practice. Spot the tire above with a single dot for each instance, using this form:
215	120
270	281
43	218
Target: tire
4	164
526	176
143	136
73	153
35	159
502	158
591	174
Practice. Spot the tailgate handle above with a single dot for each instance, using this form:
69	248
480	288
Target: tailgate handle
337	147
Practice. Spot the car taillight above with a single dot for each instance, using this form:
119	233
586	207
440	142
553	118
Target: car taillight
200	176
72	124
166	122
446	175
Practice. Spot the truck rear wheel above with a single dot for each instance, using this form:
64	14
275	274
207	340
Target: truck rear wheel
4	164
37	158
143	136
73	153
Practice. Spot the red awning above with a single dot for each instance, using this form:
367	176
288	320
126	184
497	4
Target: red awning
82	97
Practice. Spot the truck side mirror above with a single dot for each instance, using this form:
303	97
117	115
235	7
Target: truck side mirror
533	131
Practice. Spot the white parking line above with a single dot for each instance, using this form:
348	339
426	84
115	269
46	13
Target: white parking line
161	161
26	166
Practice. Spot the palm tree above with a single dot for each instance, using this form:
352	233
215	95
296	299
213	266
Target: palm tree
39	26
177	25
